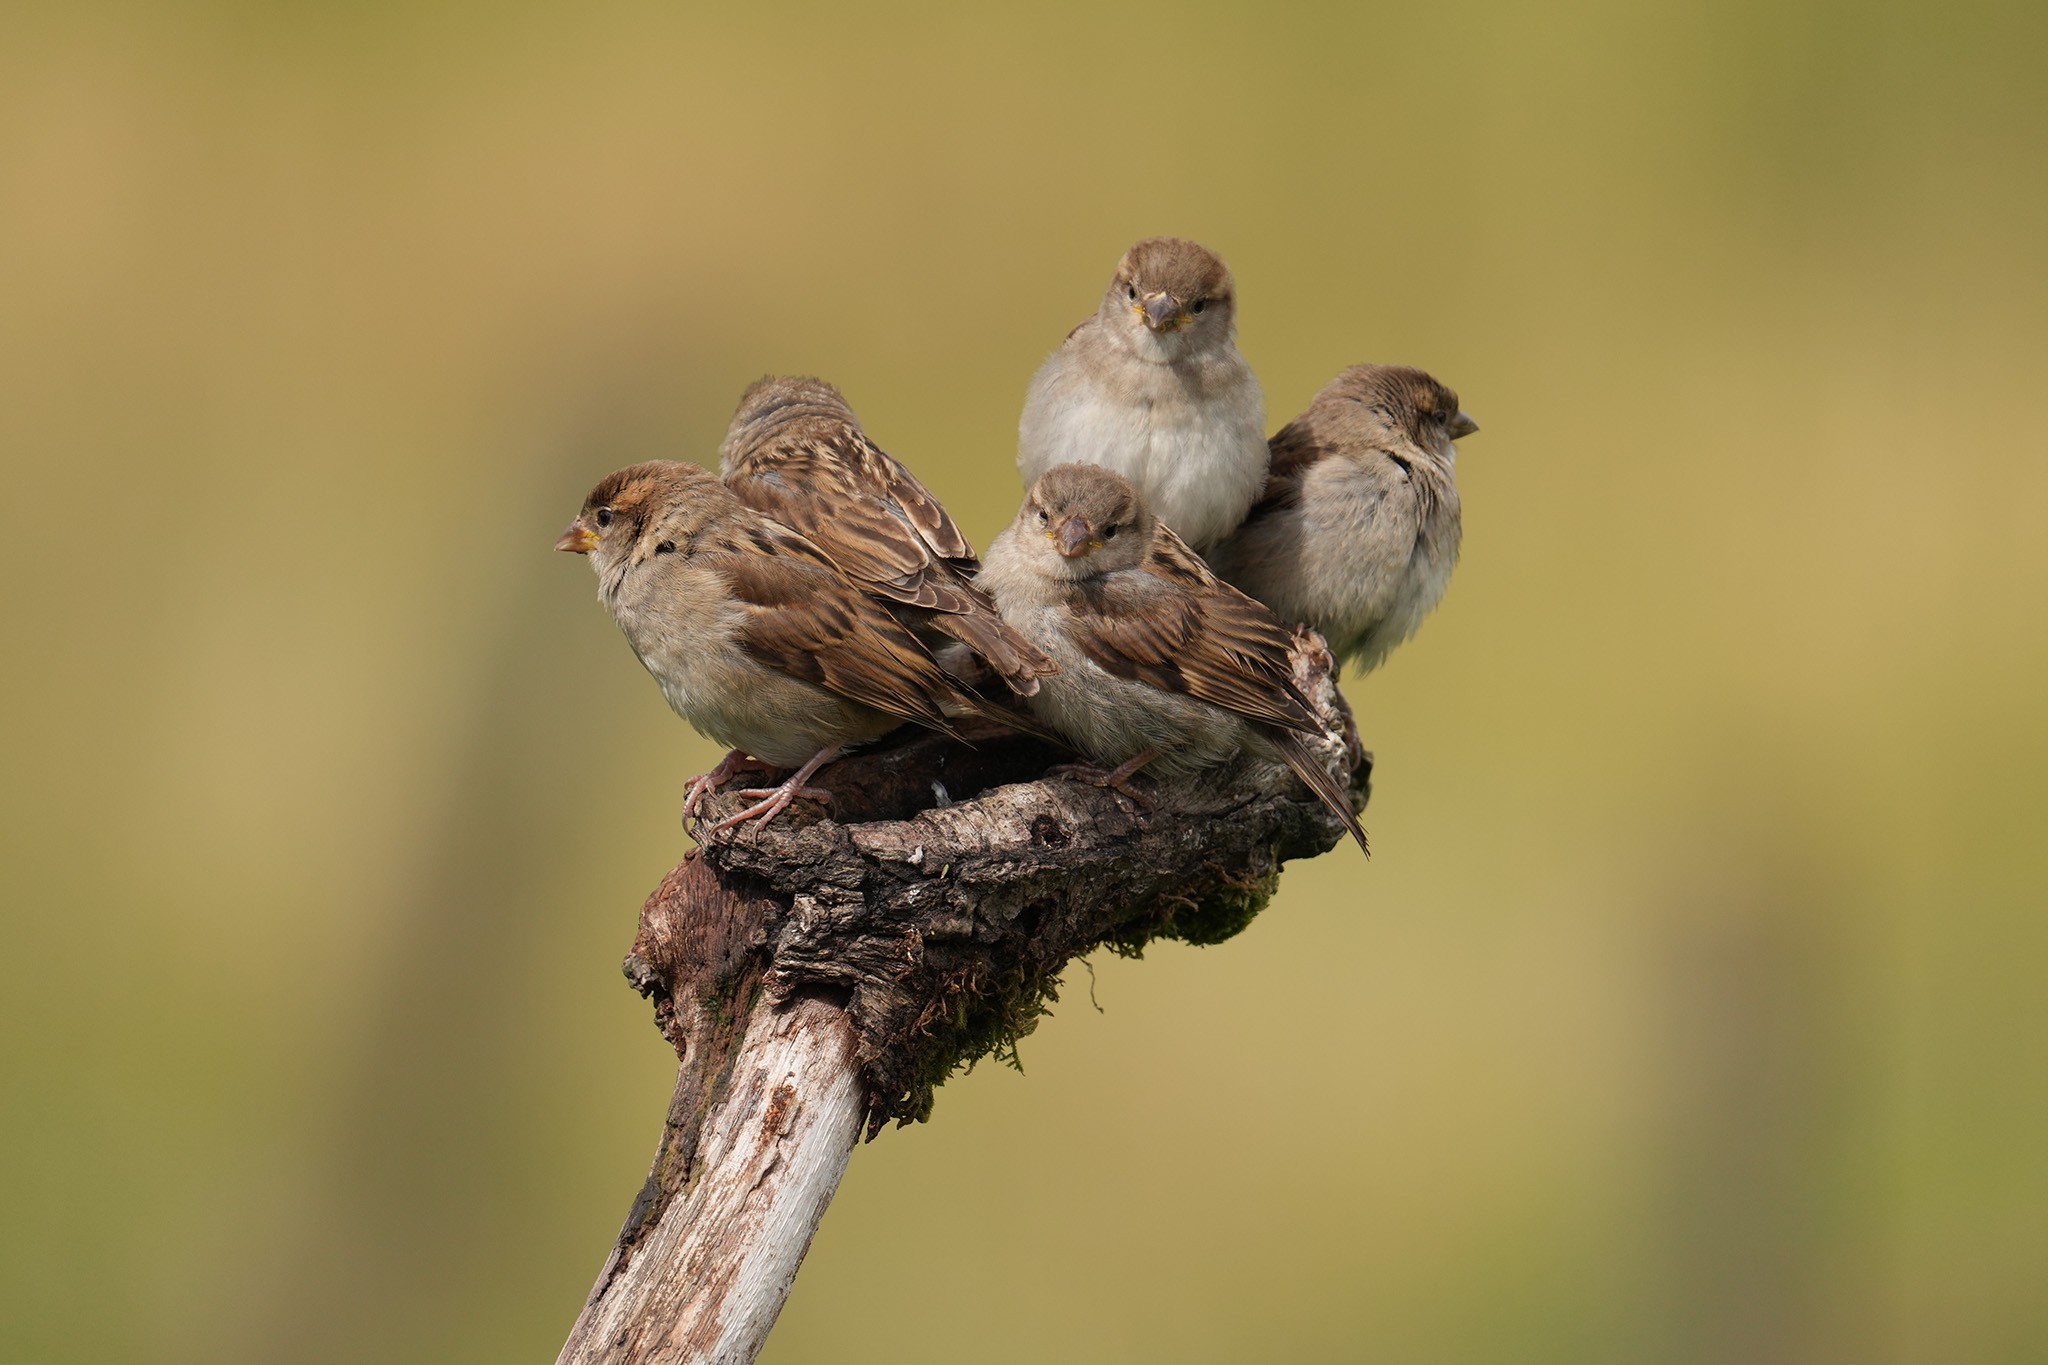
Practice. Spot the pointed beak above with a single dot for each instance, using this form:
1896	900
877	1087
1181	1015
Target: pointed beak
1163	312
1462	425
577	540
1072	538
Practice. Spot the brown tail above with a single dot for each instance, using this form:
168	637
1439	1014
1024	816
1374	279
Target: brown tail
1018	662
1318	780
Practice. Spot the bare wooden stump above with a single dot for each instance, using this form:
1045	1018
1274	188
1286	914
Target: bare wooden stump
819	973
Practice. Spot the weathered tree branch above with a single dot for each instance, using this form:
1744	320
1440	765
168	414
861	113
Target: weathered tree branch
815	973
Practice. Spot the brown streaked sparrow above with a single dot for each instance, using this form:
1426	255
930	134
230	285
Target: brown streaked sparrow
1161	663
755	637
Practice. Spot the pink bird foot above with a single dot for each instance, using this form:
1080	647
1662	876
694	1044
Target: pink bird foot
1117	779
775	800
707	784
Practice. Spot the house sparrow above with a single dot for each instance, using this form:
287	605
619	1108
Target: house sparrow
1153	387
796	452
756	638
1160	662
1358	532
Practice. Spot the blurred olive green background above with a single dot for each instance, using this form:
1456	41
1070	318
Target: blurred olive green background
1691	1008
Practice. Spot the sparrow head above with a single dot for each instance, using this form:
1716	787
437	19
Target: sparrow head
1171	296
641	511
1088	519
1420	407
773	404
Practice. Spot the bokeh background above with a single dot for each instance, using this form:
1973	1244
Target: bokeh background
1691	1008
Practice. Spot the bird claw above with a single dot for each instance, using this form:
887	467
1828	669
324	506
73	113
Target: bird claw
701	786
770	802
707	784
1116	779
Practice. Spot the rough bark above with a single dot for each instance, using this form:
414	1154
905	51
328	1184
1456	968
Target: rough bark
837	966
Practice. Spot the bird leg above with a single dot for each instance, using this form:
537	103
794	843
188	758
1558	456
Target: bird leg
732	765
777	799
1117	779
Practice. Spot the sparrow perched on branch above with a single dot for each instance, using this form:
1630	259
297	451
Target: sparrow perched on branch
1161	663
796	452
756	637
1358	530
1153	387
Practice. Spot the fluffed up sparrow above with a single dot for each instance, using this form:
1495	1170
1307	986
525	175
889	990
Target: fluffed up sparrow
754	635
796	452
1160	662
1358	530
1153	387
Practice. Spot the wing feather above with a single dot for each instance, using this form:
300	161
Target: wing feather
1174	625
820	475
863	509
803	618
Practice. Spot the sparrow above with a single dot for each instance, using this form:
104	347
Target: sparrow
755	636
1358	530
1161	663
1153	387
795	452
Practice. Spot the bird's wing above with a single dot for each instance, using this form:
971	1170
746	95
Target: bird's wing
803	617
1172	624
1291	450
869	514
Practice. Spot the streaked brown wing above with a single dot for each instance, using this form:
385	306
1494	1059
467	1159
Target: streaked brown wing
804	618
934	523
1175	626
864	510
874	520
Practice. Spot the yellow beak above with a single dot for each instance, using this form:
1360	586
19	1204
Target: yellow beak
577	540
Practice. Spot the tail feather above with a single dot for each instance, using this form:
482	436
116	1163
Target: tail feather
1318	780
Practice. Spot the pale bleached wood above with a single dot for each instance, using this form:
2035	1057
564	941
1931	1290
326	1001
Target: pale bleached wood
707	1281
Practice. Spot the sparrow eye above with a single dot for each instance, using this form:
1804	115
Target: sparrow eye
1200	304
1043	518
1440	417
1131	291
604	517
1109	533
